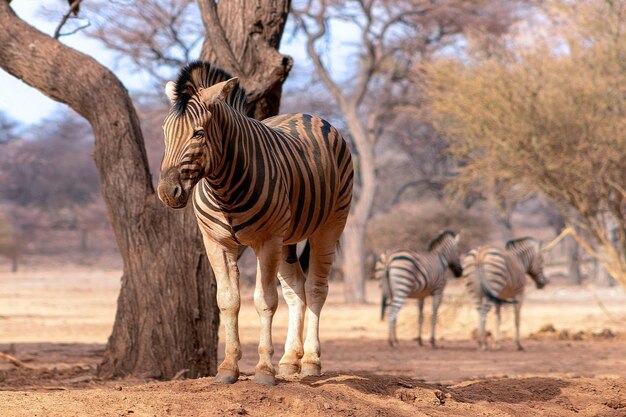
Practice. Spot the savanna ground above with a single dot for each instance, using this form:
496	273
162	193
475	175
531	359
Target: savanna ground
57	319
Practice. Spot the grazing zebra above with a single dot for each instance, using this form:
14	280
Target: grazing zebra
267	185
497	277
406	274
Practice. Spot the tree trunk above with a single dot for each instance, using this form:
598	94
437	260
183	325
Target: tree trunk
167	318
243	38
353	250
363	200
572	254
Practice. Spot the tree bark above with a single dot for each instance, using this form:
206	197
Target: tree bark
353	261
243	38
167	318
572	254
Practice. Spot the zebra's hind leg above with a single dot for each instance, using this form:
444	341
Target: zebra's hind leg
437	297
292	281
496	343
420	320
224	264
483	309
323	245
518	308
266	301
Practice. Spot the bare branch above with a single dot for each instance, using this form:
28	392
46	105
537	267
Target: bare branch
72	10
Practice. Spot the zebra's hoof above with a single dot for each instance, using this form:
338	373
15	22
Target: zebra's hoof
227	376
311	369
288	369
264	379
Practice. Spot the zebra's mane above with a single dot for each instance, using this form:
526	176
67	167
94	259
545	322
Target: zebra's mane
198	75
439	239
520	242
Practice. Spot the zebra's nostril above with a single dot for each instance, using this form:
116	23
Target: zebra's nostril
177	191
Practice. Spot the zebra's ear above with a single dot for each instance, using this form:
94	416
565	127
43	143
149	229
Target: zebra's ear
170	91
229	87
457	238
219	91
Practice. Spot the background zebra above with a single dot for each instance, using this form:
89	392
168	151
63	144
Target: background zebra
497	277
267	185
406	274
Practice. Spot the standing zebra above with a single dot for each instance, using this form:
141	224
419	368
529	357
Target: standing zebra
406	274
267	185
497	277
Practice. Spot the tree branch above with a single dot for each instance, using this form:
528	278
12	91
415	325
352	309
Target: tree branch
73	9
216	33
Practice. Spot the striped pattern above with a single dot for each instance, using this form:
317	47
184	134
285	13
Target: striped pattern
406	274
266	184
496	277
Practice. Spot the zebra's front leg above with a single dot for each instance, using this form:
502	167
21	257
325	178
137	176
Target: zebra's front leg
496	344
224	264
518	308
292	282
437	297
266	301
420	320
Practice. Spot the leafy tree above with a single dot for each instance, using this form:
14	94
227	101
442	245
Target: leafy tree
549	115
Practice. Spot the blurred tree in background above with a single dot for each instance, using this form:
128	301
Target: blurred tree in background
385	42
548	113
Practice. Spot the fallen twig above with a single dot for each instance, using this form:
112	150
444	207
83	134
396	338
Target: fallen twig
13	360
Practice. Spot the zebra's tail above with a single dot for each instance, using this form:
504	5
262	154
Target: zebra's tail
382	272
487	292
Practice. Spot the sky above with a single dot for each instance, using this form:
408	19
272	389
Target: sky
28	106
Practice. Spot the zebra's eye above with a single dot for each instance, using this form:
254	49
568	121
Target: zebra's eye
198	133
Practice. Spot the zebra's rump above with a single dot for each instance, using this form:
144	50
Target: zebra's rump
411	276
493	273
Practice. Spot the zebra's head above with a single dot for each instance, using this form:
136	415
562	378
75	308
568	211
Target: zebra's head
447	245
190	130
529	252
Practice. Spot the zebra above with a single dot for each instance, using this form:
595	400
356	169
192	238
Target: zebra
264	184
497	277
407	274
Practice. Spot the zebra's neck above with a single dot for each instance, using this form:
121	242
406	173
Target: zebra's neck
441	253
525	256
234	155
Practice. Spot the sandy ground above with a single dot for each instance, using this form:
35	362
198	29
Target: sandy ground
58	320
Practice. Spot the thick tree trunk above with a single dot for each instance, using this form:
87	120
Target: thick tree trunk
243	38
167	318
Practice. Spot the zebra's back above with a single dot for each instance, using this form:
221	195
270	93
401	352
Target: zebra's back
302	180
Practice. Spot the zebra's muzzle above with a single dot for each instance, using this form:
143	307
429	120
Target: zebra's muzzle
170	190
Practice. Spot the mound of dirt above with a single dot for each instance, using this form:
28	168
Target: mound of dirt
334	394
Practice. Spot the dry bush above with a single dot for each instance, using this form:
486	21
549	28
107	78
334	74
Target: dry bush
413	225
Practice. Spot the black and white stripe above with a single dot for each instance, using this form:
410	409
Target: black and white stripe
497	277
406	274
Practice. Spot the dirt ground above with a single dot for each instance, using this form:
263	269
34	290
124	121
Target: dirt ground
57	320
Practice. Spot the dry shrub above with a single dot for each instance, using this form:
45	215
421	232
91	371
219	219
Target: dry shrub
413	225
